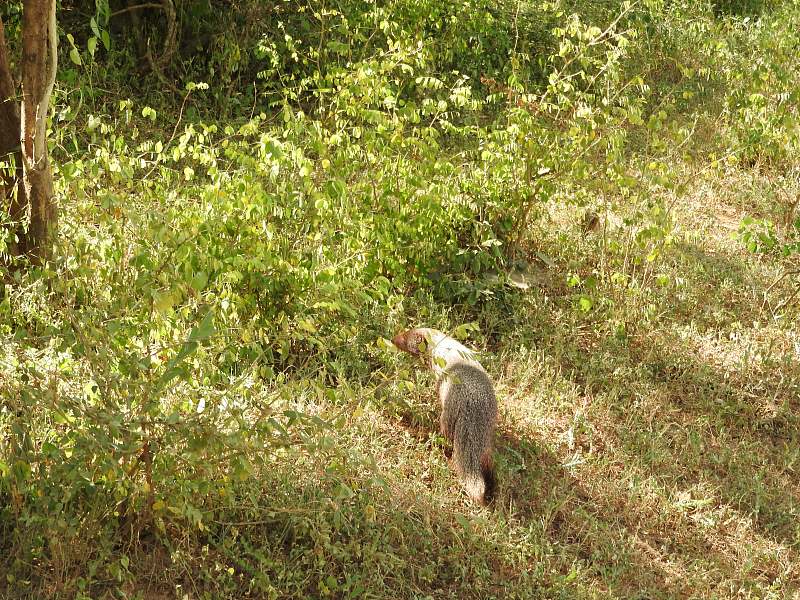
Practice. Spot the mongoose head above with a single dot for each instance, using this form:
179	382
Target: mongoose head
413	341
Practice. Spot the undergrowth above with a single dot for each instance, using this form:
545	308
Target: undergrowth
198	399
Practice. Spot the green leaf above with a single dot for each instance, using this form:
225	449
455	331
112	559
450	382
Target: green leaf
199	281
462	331
75	56
585	303
464	522
204	330
91	45
163	303
306	325
336	189
21	471
172	370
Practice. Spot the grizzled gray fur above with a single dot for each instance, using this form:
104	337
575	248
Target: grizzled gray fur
469	406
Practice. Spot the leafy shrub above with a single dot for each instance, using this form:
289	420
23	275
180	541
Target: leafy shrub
395	162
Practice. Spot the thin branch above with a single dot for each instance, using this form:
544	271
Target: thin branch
44	105
136	7
170	39
781	278
788	300
174	132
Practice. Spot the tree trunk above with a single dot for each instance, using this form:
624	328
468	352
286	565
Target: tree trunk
12	191
39	39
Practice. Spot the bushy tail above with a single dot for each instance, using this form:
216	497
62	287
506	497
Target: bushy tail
478	478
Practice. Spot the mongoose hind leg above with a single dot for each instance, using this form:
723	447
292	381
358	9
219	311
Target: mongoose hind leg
445	427
448	436
448	452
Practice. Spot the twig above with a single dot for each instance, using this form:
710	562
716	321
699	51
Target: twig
781	278
174	132
789	299
136	7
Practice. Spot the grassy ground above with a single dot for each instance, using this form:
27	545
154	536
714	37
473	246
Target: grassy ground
650	453
645	450
658	464
649	391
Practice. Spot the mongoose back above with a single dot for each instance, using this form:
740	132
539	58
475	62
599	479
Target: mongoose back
469	406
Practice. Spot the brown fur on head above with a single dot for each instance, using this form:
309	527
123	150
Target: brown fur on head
412	341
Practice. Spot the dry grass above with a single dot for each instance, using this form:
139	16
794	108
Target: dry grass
662	465
657	464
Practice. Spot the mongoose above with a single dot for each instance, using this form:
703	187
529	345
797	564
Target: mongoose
469	406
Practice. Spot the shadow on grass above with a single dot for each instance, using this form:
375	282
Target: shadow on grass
586	534
685	482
